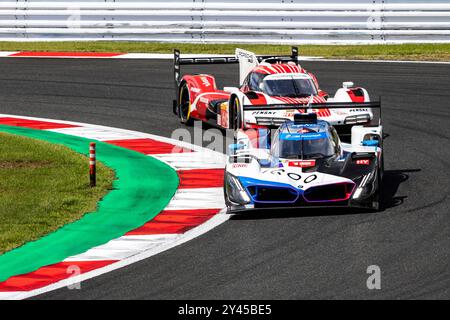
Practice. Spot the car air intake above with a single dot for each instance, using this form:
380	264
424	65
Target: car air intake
273	194
331	192
360	118
265	121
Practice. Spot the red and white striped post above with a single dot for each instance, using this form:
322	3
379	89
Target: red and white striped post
92	164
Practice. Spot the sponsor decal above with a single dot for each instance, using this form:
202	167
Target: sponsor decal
263	112
289	113
302	163
358	110
245	55
240	165
303	136
365	162
303	125
280	76
205	81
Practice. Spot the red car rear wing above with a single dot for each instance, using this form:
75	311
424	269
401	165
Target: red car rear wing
178	61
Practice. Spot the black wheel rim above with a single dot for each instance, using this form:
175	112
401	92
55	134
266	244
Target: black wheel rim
236	114
184	103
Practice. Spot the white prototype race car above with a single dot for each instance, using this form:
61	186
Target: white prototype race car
305	164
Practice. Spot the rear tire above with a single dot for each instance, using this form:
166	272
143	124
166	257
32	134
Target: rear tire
184	105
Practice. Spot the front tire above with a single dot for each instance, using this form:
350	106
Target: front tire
234	114
377	203
184	105
227	202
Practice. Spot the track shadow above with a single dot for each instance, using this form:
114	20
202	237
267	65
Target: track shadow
292	213
391	182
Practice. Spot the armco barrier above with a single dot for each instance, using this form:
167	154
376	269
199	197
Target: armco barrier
252	21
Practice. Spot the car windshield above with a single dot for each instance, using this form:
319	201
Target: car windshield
302	146
289	87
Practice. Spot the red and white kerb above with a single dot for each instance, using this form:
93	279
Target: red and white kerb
193	210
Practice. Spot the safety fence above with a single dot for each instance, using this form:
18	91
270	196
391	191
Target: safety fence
222	21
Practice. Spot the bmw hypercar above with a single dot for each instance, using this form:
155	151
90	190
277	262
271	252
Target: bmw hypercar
264	80
304	163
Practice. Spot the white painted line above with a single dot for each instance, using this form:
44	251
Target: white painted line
154	237
162	56
379	61
207	198
147	56
168	56
7	53
123	247
100	134
13	295
4	54
193	160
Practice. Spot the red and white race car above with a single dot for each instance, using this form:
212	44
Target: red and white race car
272	83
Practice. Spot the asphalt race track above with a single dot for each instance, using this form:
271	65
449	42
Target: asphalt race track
276	255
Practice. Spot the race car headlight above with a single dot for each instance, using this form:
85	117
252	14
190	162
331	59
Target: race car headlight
363	185
236	193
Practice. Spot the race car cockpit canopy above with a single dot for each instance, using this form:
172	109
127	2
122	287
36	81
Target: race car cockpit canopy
288	85
295	85
303	141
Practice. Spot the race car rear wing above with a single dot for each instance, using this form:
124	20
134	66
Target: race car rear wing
327	105
178	61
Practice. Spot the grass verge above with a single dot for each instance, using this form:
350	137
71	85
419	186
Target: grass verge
431	52
43	186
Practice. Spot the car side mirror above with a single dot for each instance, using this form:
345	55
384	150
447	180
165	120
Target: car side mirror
337	150
347	84
323	94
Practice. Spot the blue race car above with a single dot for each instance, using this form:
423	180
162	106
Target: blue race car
304	164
